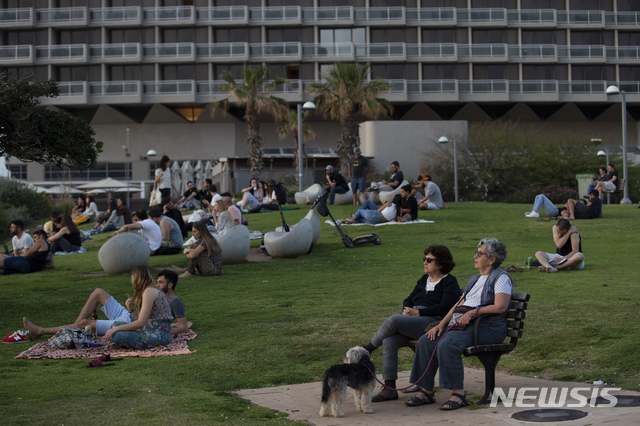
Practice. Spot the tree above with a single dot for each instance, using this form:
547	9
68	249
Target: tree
290	125
36	134
252	94
346	94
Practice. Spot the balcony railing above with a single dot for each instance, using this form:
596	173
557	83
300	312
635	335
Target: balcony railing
435	14
532	51
432	50
114	88
480	87
532	87
580	17
622	18
60	15
168	87
623	53
63	52
114	51
167	50
397	86
327	50
379	14
582	87
71	88
274	50
426	87
15	16
221	50
114	14
581	52
168	14
221	14
380	50
274	14
326	14
531	16
630	87
16	53
293	88
474	51
481	15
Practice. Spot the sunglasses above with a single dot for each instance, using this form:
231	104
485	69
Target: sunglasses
479	253
428	259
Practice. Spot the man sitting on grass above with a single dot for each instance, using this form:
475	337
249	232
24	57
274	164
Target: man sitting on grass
577	209
37	258
147	228
171	234
568	253
21	241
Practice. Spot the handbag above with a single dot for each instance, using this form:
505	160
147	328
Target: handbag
156	196
458	312
70	338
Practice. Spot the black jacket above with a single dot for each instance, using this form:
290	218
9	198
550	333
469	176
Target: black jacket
439	301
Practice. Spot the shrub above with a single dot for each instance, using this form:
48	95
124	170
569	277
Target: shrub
18	201
556	193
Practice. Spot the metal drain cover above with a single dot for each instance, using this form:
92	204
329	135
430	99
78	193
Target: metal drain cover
549	415
623	401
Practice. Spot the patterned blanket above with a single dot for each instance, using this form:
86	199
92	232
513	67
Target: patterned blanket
330	222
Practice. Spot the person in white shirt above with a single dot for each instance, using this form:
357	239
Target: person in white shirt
21	241
147	228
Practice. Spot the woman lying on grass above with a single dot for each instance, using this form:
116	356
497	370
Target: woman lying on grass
371	214
205	255
153	325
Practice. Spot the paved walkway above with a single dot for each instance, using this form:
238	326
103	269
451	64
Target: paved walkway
302	402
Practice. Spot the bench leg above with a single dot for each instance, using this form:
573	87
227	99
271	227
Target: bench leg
489	360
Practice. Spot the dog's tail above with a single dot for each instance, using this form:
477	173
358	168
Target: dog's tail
326	389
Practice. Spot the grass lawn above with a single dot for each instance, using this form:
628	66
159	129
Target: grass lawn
286	321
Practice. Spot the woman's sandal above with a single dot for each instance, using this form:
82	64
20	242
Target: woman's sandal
416	401
451	405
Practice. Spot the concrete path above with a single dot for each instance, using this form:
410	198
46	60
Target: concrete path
302	403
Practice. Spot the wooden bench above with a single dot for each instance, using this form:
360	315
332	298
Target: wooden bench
616	192
489	355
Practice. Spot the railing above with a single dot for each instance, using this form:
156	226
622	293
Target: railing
532	51
432	50
293	88
389	14
622	18
270	50
114	14
380	50
221	50
479	87
532	87
581	52
167	14
481	15
63	52
324	14
167	50
470	51
114	88
221	14
71	88
531	16
582	87
431	14
327	50
114	51
62	14
15	16
271	14
580	17
397	86
15	53
623	52
212	87
168	87
431	86
630	87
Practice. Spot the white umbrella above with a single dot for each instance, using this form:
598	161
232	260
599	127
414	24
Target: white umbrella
176	179
208	170
62	190
110	185
198	174
187	175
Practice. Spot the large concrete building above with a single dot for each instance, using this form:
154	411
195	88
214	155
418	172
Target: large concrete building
154	67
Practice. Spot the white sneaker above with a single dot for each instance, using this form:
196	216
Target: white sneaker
532	214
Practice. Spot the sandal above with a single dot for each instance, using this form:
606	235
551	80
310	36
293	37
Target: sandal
451	405
416	401
98	363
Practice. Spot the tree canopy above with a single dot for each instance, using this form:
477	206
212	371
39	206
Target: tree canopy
30	133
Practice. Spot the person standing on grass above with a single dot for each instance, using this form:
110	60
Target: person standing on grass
568	253
359	168
163	177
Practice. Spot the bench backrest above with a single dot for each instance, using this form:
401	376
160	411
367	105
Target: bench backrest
516	315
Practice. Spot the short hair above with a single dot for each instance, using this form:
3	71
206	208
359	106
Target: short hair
40	232
189	182
495	249
209	181
170	276
395	163
155	212
141	214
165	201
18	223
213	188
611	165
563	224
226	194
604	169
594	192
406	188
426	177
443	256
227	201
54	214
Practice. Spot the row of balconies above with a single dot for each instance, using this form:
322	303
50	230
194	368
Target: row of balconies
329	16
327	52
181	91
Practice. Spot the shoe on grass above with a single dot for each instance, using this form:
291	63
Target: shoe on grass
19	336
532	214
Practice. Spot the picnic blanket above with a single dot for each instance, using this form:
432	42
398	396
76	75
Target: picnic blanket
255	235
330	222
62	253
178	346
283	209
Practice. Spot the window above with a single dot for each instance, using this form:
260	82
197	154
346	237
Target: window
629	73
509	4
592	38
593	72
543	4
495	72
101	171
628	38
445	36
342	35
606	5
395	71
544	72
495	36
18	171
445	72
394	35
544	37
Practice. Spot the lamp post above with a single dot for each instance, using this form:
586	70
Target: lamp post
613	90
308	106
444	139
128	154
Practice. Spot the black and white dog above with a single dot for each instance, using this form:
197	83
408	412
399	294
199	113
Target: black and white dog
353	373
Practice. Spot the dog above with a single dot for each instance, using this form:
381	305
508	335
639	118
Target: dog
357	372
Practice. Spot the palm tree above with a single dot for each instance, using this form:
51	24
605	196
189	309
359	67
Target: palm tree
346	94
290	125
252	94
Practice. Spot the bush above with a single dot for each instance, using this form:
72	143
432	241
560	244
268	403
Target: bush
18	201
556	193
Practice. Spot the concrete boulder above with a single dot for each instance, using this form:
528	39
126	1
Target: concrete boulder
123	252
388	195
235	245
314	219
312	192
347	197
290	244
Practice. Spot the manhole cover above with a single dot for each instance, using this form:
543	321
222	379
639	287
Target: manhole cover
623	401
549	415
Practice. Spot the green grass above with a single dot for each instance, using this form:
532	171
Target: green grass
285	322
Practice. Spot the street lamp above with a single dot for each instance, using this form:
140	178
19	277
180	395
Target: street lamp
613	90
308	106
443	139
128	154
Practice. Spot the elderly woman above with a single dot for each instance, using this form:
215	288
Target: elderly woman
434	294
488	295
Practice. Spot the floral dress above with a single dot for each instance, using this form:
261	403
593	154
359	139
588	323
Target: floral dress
156	332
205	264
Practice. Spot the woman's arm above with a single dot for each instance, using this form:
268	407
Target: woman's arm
438	329
193	253
148	297
61	233
34	248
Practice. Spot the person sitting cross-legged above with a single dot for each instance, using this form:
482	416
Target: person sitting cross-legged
171	234
205	256
568	253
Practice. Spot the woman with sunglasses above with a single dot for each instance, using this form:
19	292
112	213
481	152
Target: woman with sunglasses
488	296
432	297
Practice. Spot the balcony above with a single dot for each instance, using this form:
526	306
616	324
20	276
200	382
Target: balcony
116	52
168	52
581	18
397	92
284	15
482	17
16	18
533	53
174	15
432	90
533	90
228	15
436	52
62	17
483	52
483	90
222	52
276	51
532	18
622	20
169	91
115	92
622	54
435	16
116	16
63	53
591	91
380	16
16	55
291	92
581	54
71	93
381	51
341	15
328	52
